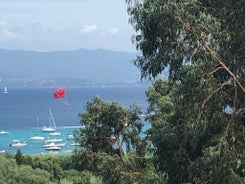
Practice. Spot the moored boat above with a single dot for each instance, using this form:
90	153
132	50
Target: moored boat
74	144
53	140
49	129
36	138
52	144
5	91
70	136
55	133
17	143
3	132
52	126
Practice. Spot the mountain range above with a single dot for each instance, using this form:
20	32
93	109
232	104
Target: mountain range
77	66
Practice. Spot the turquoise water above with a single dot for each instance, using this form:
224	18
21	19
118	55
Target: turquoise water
35	146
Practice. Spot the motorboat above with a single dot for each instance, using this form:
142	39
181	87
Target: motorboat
3	132
53	140
17	143
70	136
36	138
52	144
74	144
54	133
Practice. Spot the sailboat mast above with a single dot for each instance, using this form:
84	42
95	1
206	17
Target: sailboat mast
51	116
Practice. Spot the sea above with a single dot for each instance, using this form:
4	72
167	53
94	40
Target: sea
24	111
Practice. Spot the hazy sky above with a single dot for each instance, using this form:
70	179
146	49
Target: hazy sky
47	25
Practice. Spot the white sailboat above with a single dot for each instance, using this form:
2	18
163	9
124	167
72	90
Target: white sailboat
52	126
5	90
37	137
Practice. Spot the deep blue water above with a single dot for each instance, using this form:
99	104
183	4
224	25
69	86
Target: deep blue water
21	107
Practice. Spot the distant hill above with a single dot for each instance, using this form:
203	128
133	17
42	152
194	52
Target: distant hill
99	66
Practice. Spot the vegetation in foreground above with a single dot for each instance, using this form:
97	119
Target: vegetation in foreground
81	167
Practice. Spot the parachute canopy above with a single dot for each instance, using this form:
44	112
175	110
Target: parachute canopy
59	93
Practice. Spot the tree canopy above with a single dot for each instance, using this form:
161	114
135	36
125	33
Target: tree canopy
110	127
198	114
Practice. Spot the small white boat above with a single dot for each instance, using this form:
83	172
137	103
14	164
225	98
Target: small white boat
70	136
3	132
37	138
53	140
74	144
17	143
5	91
52	144
2	151
49	129
54	133
52	127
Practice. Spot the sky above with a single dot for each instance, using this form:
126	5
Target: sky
50	25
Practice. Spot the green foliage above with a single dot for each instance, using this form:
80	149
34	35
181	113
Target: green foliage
198	115
65	161
84	177
216	166
10	172
110	168
80	167
25	174
7	166
186	142
109	127
49	163
19	157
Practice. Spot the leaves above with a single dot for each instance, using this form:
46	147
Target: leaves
197	115
109	127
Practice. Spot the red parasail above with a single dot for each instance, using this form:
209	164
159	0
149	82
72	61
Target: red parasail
59	93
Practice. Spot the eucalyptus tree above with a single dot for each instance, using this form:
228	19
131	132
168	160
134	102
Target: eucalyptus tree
109	127
198	119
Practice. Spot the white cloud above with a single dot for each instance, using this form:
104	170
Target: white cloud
114	30
58	24
7	35
88	28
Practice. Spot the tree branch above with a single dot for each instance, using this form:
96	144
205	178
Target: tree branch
210	96
215	55
211	73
